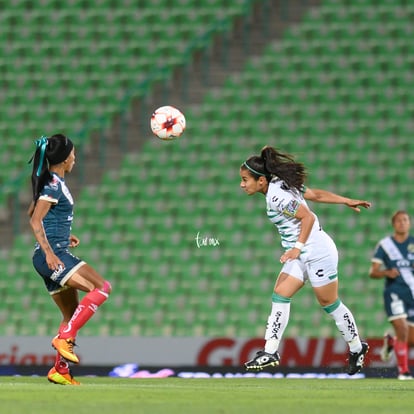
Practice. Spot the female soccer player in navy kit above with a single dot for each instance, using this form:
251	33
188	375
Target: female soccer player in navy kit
393	261
51	214
310	254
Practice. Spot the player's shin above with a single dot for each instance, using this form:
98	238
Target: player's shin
276	322
346	324
85	310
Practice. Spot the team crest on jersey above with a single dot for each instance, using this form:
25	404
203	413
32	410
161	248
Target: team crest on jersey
410	248
291	208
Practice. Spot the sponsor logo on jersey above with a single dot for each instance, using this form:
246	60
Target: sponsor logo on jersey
57	273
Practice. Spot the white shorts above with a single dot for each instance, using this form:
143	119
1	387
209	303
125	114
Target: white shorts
317	263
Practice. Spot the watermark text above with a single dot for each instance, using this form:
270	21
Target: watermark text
203	241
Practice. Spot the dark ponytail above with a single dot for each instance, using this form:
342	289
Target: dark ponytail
272	163
49	151
284	167
40	172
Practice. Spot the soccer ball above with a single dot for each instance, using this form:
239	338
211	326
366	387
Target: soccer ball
167	122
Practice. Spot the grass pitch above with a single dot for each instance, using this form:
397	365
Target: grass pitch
178	395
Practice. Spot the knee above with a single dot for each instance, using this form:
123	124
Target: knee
106	287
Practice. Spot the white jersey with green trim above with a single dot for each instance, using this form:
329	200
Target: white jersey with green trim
282	205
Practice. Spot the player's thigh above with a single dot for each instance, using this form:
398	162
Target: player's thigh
291	278
327	294
86	278
287	285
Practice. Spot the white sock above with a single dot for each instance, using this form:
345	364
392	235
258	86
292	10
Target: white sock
276	322
346	324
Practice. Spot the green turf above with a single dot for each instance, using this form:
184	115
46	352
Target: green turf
177	396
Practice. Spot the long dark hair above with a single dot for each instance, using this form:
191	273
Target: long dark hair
273	163
49	151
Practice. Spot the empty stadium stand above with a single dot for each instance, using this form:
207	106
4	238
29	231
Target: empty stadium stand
335	90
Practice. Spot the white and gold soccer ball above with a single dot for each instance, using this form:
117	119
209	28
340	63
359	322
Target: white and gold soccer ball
167	122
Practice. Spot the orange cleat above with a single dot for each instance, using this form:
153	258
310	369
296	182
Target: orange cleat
61	379
65	348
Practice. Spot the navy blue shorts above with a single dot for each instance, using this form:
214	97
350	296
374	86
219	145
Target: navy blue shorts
55	280
399	303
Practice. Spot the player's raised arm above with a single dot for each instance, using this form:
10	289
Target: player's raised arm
324	196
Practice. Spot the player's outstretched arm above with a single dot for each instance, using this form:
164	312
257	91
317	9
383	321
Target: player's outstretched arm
323	196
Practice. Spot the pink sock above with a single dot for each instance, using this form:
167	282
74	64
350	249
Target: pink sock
62	327
61	365
401	352
85	310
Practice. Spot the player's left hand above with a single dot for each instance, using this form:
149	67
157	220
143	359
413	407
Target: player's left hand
73	241
355	204
291	254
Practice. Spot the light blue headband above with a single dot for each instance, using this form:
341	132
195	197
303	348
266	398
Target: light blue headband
252	170
41	143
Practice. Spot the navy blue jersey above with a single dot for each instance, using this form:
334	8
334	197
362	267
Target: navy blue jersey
58	221
392	254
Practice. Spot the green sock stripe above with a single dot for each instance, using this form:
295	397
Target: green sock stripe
279	299
332	307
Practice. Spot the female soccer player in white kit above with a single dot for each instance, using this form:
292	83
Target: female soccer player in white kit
310	254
